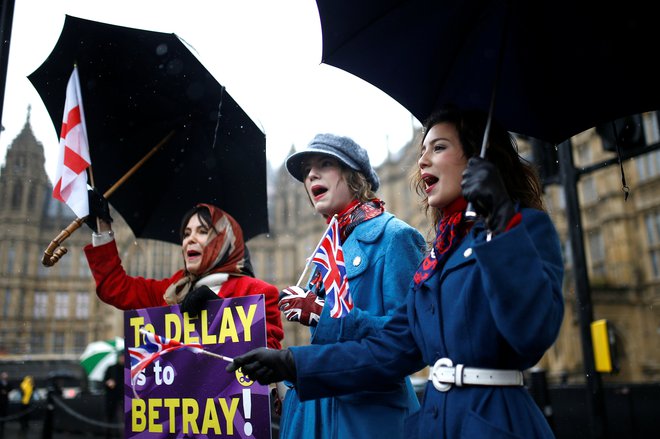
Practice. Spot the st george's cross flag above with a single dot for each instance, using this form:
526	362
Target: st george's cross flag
71	178
329	260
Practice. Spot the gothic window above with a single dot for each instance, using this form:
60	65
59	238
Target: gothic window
16	195
61	306
651	127
59	338
42	270
585	154
79	341
33	196
83	266
136	262
567	253
652	221
589	192
21	306
270	268
648	165
27	260
11	257
37	345
157	255
40	309
6	306
597	252
82	305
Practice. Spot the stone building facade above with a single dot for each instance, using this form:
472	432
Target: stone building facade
52	313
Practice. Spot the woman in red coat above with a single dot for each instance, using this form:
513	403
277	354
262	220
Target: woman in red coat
215	260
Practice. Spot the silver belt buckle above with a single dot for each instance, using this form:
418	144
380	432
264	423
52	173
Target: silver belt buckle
435	378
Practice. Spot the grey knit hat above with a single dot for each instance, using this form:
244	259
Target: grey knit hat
342	148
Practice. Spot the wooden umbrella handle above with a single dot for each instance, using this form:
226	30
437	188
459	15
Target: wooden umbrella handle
54	252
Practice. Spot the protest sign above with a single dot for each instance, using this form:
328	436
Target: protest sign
179	387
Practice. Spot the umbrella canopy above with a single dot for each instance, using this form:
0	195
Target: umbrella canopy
566	66
138	86
98	355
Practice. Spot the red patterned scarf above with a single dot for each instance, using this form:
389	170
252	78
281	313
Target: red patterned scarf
451	231
356	213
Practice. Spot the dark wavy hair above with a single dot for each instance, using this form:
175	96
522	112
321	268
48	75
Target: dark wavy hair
520	176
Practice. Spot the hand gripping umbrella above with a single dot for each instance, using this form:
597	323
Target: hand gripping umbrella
139	87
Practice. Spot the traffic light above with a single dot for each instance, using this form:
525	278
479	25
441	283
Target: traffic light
629	133
603	339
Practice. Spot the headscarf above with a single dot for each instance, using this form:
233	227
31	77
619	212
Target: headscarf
224	253
451	230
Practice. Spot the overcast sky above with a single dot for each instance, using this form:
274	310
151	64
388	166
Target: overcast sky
266	53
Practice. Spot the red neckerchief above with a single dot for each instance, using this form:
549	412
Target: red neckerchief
451	231
356	213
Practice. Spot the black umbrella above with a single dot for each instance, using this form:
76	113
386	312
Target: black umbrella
566	66
556	68
137	87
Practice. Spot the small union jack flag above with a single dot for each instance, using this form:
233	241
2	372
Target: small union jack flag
153	348
329	259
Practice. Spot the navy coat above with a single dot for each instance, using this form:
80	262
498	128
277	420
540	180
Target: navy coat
381	256
495	304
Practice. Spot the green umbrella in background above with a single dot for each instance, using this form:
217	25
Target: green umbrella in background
99	355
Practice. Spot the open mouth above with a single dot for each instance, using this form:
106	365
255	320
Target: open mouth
193	253
318	190
429	181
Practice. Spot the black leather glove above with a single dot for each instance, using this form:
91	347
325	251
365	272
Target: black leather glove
301	306
483	186
98	208
266	365
196	300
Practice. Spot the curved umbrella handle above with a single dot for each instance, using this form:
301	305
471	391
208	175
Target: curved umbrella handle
54	252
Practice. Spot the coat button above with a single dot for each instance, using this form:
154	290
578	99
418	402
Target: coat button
356	261
467	253
434	412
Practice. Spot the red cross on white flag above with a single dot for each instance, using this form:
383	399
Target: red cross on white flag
71	185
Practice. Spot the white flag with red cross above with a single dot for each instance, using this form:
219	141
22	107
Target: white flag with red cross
71	184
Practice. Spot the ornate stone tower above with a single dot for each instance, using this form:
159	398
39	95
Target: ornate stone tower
47	313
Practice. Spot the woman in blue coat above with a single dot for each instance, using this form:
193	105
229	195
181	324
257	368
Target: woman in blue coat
485	304
381	254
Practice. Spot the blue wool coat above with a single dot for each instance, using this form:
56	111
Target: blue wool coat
381	256
495	304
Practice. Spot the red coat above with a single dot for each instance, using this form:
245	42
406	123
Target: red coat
115	287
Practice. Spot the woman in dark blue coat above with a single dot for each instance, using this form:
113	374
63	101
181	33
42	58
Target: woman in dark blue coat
485	304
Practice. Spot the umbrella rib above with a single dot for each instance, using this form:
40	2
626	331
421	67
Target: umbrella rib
217	124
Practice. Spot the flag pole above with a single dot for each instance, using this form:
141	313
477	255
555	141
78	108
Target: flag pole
213	354
90	174
309	260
